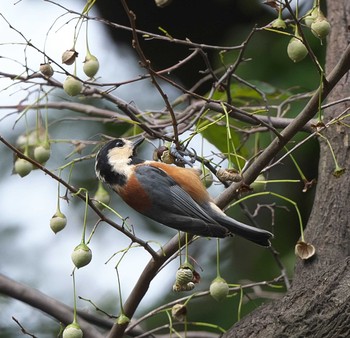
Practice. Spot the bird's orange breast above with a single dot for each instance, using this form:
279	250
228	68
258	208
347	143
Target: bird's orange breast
134	195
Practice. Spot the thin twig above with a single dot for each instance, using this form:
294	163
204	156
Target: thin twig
153	74
82	196
293	128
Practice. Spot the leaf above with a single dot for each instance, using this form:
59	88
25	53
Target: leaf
245	95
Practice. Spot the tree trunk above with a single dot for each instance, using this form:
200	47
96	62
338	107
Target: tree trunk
318	304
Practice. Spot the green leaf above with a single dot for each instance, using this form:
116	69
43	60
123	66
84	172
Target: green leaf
216	134
244	95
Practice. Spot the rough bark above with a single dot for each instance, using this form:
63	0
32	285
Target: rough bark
318	303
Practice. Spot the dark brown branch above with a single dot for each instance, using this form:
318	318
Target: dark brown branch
51	306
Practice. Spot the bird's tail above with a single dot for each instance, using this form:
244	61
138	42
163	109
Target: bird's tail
258	236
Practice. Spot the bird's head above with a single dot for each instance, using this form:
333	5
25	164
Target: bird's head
115	159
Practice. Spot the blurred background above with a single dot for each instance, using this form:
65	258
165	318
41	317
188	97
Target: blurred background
32	254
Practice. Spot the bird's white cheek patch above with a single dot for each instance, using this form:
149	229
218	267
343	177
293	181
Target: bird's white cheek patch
120	165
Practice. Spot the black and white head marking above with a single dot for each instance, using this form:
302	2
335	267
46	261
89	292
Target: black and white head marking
114	159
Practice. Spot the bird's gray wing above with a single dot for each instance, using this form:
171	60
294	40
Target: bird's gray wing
173	206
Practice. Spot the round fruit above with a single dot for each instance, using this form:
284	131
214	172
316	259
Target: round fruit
58	222
320	27
22	167
91	65
81	255
42	154
72	331
296	50
72	86
219	289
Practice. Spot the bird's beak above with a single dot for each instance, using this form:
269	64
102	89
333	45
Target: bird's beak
137	142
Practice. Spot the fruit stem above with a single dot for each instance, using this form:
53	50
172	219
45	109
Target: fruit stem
186	247
297	9
85	212
74	300
88	53
218	257
280	13
85	216
58	211
302	176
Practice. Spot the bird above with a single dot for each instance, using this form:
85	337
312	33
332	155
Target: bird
171	195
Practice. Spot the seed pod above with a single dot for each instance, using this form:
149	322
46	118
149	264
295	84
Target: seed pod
81	255
72	86
58	222
179	312
310	17
177	288
184	275
23	140
46	69
188	287
259	184
163	154
101	195
219	289
338	171
42	153
32	138
69	56
22	167
320	27
91	65
72	331
304	250
123	319
279	24
296	50
183	287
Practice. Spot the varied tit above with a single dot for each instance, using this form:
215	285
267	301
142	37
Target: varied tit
168	194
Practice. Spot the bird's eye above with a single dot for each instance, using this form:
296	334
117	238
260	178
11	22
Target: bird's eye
119	143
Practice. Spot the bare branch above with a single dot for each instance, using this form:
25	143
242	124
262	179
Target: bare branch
52	307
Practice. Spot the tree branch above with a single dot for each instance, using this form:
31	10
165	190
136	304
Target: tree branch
51	306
